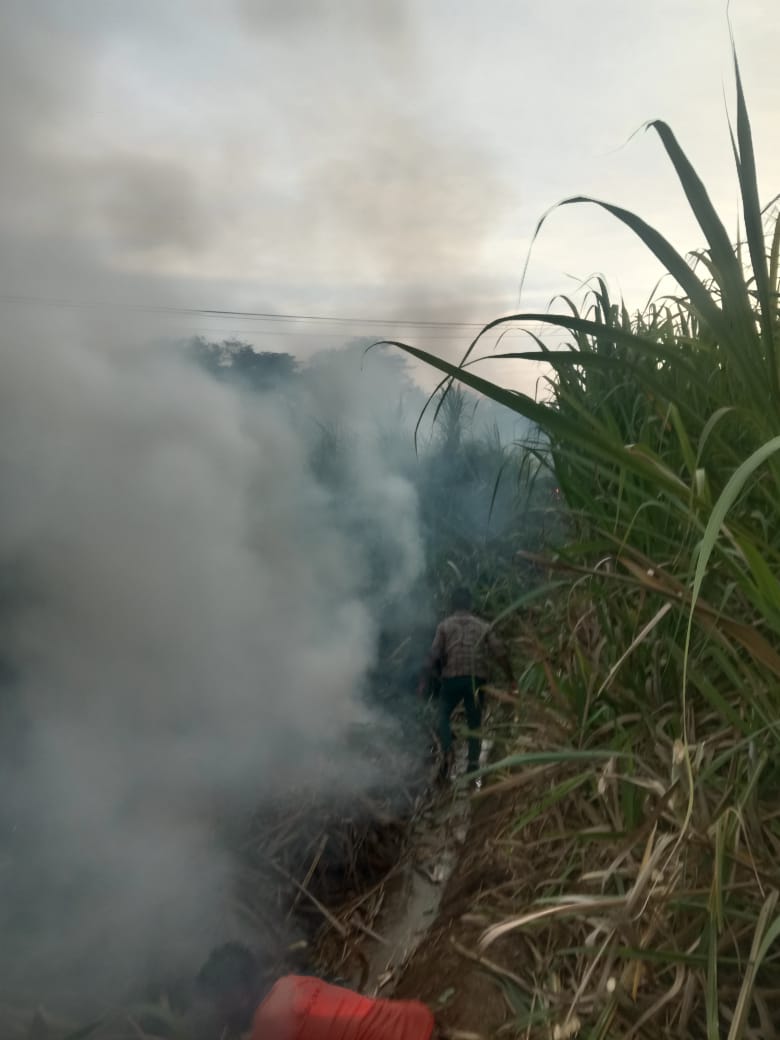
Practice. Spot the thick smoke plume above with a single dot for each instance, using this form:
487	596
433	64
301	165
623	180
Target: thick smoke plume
193	578
189	618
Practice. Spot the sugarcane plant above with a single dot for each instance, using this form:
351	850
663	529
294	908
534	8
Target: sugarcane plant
663	432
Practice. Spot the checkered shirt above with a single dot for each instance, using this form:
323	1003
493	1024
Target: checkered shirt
464	645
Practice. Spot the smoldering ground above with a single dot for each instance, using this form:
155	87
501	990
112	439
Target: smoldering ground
189	619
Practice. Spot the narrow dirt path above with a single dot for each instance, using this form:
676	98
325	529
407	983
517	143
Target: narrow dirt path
413	898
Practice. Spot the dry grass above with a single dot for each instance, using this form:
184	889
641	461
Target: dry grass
309	869
613	927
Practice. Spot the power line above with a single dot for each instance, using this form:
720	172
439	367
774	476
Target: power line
267	316
308	334
304	325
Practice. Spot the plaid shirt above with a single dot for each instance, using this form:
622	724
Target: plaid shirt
464	645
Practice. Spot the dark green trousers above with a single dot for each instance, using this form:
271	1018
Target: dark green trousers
454	690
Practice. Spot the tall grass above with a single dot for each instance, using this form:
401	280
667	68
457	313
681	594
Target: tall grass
664	430
482	499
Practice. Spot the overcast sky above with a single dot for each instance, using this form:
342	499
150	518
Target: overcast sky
374	158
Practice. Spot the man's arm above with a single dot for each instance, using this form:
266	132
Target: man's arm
434	657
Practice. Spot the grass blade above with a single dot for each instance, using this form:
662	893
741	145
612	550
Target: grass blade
754	228
763	937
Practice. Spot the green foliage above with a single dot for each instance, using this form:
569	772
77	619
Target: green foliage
650	418
663	429
481	502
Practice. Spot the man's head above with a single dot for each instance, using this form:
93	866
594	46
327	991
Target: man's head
229	983
461	599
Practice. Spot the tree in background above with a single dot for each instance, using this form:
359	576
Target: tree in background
235	361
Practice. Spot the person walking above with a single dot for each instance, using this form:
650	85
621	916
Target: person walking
461	654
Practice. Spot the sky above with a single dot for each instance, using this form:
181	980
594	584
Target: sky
385	160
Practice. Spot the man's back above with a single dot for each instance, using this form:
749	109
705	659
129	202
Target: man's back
463	644
303	1008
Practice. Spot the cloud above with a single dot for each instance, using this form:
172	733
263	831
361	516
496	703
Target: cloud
383	21
41	79
300	171
152	204
408	207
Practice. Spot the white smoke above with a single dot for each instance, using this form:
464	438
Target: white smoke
189	620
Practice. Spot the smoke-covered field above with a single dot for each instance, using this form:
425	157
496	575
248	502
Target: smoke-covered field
203	576
190	614
199	580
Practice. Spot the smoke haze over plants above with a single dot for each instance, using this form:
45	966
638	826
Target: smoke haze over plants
187	626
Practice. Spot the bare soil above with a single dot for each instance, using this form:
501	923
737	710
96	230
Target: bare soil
446	970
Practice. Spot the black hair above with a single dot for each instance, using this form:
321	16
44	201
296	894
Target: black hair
461	599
